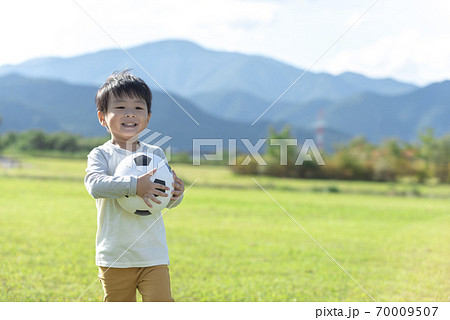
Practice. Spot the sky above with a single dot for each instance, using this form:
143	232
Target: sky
408	40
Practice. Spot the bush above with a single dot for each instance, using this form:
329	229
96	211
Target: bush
358	159
251	168
39	141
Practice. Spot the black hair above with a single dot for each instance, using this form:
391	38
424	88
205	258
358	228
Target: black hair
123	84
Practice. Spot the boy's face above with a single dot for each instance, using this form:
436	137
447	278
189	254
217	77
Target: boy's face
125	118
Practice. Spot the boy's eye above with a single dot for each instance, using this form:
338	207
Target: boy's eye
139	108
120	107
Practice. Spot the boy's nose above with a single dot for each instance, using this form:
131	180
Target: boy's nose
130	113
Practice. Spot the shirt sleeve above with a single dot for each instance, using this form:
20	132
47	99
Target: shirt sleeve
101	185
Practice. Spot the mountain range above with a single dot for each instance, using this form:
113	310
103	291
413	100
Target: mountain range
54	105
225	92
187	69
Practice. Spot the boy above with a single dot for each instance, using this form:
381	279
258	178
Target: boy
131	250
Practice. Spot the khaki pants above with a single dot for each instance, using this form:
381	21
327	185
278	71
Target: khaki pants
120	284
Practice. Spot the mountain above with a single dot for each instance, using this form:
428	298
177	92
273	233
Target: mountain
46	104
404	116
53	105
380	86
189	70
245	107
228	91
375	116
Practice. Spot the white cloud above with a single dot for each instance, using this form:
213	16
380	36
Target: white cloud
409	55
51	27
407	40
409	45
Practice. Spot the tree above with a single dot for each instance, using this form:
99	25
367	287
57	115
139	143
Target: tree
441	159
33	140
63	141
281	153
395	159
1	145
426	149
353	161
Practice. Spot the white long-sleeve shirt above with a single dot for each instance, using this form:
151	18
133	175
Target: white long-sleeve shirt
123	239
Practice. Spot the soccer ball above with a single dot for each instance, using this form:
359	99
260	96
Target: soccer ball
138	164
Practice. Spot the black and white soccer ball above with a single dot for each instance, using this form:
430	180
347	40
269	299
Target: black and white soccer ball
138	164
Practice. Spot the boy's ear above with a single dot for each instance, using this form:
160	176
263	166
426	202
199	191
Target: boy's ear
101	118
149	116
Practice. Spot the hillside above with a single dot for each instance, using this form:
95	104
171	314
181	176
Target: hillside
373	115
227	91
54	105
50	105
404	116
187	69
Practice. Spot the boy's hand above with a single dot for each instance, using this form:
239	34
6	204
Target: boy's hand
178	187
147	189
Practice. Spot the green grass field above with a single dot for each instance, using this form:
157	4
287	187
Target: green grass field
229	241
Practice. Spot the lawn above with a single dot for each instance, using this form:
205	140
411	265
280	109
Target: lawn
230	241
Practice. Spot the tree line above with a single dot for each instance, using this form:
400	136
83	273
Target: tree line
358	159
58	143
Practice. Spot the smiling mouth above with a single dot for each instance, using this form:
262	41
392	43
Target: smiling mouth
129	125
